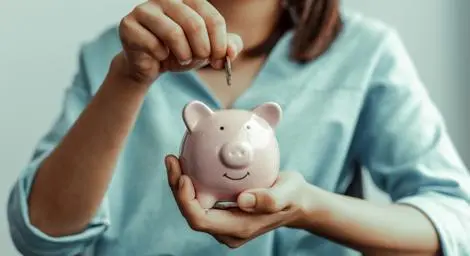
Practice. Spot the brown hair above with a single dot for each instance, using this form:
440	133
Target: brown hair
316	24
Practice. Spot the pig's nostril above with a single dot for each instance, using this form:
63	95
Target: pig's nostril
236	155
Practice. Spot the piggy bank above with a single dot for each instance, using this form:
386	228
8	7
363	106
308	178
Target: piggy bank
228	151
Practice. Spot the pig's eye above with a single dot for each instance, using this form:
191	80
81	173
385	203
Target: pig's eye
221	128
248	127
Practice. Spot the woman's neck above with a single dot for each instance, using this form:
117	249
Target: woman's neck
252	20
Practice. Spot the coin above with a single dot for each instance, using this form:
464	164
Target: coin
222	205
228	71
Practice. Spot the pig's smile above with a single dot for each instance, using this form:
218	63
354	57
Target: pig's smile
232	178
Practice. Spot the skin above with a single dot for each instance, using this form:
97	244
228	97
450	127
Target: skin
355	223
173	35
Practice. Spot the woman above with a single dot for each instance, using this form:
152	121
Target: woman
350	95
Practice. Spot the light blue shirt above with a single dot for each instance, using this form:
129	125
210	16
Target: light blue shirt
362	101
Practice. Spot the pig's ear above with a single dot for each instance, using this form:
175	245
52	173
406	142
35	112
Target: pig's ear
193	112
269	111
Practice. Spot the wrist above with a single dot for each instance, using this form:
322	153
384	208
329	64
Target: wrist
120	75
125	82
313	207
116	87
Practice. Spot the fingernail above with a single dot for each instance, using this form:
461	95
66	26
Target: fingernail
185	62
204	63
247	200
181	183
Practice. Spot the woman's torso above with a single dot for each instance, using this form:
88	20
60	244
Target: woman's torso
321	102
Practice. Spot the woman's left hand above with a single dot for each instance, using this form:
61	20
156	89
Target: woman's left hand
260	210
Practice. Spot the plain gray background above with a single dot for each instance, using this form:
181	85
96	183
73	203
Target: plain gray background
40	39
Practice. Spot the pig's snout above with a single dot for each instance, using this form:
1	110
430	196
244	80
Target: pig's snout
236	155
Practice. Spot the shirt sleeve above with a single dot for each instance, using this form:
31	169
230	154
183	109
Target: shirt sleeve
404	144
28	239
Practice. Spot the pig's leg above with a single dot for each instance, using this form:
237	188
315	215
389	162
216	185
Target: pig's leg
206	200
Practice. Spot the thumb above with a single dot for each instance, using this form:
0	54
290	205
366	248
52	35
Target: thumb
270	200
277	198
234	46
264	201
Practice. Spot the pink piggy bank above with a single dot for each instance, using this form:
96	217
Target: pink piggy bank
228	151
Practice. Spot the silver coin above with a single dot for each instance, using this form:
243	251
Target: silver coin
225	205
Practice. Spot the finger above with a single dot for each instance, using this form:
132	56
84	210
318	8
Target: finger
234	47
213	221
274	199
215	24
234	223
250	229
152	16
194	214
135	37
172	64
193	26
186	192
173	171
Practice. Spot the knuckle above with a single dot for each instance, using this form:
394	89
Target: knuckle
163	54
196	4
218	52
124	24
270	204
216	21
195	25
204	53
175	34
130	44
170	1
139	9
271	207
143	66
188	2
157	50
125	29
146	11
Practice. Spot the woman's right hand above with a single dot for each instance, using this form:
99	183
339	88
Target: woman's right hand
173	35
